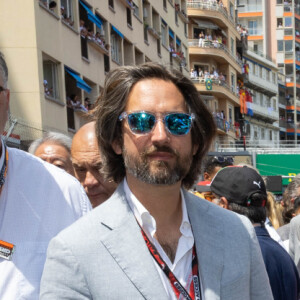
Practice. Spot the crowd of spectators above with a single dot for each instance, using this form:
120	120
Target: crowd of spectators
178	54
207	40
205	74
88	34
75	103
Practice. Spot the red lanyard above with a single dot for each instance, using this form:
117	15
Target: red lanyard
194	293
4	169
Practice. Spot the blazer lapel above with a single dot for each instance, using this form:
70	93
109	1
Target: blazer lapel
207	238
125	243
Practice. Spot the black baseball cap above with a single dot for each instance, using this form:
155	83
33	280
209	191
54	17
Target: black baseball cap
237	184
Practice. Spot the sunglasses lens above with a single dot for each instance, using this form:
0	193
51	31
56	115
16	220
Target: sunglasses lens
178	123
141	122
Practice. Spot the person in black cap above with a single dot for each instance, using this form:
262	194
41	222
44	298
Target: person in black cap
242	190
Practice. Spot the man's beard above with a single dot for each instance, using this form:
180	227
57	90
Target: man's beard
157	172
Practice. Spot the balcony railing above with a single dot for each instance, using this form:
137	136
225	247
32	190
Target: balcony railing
255	31
250	8
262	54
210	5
223	83
215	45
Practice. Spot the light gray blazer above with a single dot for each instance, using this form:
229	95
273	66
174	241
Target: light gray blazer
104	256
294	241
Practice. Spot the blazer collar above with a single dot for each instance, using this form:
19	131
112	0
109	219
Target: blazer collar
125	243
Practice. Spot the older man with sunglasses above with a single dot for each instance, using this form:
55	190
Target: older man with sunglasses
152	239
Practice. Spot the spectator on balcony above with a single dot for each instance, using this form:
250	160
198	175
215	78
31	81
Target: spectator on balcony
200	72
215	74
206	74
215	42
87	103
81	25
76	103
221	78
52	5
201	39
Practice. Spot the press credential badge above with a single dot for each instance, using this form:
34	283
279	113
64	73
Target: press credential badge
6	250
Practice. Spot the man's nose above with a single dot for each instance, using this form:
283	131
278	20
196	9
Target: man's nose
160	133
90	180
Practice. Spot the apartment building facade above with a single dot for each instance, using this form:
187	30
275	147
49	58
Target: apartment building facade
58	53
260	75
215	63
287	35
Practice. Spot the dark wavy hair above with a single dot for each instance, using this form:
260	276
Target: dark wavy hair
112	101
255	212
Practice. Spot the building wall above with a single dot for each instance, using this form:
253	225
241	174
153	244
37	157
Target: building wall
41	36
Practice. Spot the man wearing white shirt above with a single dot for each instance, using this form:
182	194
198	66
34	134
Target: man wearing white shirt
152	239
37	201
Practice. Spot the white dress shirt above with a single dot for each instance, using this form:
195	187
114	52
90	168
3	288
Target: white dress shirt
37	201
181	267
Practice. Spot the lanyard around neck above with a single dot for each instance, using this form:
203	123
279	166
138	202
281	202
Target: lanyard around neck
194	292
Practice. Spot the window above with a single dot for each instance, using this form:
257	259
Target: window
106	63
51	5
116	54
163	33
288	22
255	48
280	45
252	27
232	82
231	8
288	46
279	22
136	10
50	69
232	45
230	114
165	4
158	47
68	11
274	104
254	96
128	13
271	135
261	100
262	133
268	101
274	77
111	3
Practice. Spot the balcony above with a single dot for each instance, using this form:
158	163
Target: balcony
210	9
127	3
262	85
265	113
255	31
250	8
104	49
154	32
219	89
215	49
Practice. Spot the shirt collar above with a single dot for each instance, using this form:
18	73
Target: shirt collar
145	219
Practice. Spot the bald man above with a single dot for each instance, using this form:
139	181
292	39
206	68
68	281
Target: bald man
87	163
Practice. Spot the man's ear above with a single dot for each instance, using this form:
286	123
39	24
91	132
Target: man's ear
206	176
223	202
116	145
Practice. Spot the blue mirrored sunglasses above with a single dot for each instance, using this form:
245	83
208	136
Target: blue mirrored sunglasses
142	122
